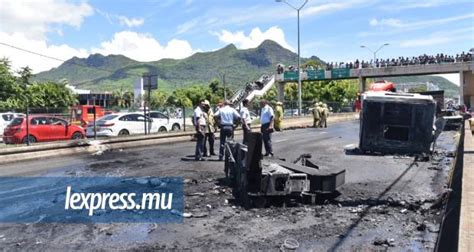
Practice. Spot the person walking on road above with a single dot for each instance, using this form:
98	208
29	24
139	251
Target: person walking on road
246	121
324	115
211	128
267	119
321	114
199	119
226	116
278	116
316	116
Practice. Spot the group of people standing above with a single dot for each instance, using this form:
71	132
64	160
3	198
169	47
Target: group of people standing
227	118
320	113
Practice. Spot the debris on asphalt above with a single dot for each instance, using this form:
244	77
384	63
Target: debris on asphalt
290	244
384	242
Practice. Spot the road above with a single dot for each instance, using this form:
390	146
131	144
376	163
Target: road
386	200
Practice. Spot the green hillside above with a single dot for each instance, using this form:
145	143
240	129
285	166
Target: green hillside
450	89
102	73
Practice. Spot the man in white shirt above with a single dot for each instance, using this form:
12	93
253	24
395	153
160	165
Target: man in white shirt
266	120
226	117
199	119
245	116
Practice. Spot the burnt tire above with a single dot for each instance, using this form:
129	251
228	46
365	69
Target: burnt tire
123	132
77	135
31	138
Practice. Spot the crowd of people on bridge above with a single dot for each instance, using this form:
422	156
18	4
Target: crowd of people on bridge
424	59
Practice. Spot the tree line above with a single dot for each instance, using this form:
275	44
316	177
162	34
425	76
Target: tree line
17	90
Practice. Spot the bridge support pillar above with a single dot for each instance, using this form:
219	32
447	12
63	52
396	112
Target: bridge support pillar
281	91
361	84
466	88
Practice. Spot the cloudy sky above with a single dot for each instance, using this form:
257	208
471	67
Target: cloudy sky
154	29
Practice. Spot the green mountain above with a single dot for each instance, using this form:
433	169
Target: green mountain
102	73
106	73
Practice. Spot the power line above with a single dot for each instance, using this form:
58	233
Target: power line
64	61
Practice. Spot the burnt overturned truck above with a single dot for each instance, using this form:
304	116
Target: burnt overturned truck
398	123
256	181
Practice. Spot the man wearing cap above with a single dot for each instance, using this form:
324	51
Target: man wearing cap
210	129
266	119
246	120
226	116
199	119
278	116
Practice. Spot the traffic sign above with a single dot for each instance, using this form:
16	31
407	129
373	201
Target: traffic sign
315	74
150	82
340	73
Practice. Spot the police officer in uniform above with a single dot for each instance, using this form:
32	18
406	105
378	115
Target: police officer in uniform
226	116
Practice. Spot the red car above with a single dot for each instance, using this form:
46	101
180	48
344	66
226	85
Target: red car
42	128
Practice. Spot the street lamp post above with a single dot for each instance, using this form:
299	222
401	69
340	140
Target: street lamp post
300	105
374	52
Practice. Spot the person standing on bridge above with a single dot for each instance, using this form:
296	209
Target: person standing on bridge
199	119
278	116
227	116
246	120
267	119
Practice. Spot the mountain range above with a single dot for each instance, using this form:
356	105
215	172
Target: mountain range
107	73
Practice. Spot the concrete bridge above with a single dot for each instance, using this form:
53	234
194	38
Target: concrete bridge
464	69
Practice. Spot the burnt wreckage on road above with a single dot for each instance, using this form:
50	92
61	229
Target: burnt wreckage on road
256	180
400	123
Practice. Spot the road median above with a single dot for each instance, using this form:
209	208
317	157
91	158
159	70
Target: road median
23	153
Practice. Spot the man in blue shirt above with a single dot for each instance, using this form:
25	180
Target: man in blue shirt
226	116
266	119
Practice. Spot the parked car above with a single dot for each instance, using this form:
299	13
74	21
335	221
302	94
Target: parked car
5	119
169	124
42	128
127	123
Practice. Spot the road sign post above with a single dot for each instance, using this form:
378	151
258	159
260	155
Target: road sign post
150	82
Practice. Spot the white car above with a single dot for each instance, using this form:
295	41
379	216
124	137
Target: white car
5	119
170	124
120	124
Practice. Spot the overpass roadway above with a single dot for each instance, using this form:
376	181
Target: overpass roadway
464	69
386	200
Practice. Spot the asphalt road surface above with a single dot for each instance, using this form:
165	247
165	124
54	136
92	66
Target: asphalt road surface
387	201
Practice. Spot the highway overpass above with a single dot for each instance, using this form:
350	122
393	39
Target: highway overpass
464	69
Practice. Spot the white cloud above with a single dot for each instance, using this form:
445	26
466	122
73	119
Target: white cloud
188	2
185	27
255	38
396	23
37	63
439	38
131	22
137	46
144	47
36	18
